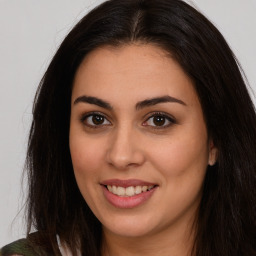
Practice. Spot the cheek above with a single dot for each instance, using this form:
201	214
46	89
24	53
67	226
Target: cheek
86	155
182	156
182	163
86	159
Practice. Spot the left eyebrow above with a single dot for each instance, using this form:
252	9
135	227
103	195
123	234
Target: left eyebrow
93	100
157	100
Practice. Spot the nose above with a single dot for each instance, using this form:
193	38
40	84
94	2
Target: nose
125	149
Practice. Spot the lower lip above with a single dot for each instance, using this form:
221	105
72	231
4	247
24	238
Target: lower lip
127	201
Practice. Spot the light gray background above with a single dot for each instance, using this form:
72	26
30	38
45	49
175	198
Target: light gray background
30	32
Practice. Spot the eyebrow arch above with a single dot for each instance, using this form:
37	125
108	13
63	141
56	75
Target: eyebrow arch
157	100
94	101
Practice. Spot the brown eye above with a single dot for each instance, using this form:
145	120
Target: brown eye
94	120
159	120
97	119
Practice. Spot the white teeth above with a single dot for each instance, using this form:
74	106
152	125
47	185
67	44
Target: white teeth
129	191
120	191
144	188
138	190
114	190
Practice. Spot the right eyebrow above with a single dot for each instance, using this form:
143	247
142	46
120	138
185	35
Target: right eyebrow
94	101
157	100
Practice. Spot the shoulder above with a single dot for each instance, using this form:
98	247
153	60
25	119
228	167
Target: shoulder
29	246
19	247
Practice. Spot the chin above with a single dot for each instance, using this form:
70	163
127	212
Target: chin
130	226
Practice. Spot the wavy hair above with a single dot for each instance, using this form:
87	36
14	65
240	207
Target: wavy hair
226	223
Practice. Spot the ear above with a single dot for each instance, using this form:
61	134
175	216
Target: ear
213	154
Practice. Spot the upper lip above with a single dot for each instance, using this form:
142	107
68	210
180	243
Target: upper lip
126	183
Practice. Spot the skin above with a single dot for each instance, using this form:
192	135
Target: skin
131	144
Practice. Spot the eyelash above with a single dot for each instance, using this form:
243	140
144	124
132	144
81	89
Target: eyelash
85	118
166	118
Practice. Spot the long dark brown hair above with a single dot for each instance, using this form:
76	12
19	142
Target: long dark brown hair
226	223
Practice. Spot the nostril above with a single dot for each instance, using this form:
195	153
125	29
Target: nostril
125	159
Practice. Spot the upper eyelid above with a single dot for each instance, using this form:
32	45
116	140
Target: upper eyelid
146	117
159	113
83	118
91	113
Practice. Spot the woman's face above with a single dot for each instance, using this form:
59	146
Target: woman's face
138	140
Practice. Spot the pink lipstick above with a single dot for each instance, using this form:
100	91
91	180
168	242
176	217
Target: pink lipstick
127	193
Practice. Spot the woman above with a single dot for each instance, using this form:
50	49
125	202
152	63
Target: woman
143	139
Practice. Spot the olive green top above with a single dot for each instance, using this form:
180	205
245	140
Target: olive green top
27	247
20	247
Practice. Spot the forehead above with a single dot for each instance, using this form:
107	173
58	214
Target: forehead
134	71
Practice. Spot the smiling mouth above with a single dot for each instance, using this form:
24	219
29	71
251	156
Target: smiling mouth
128	191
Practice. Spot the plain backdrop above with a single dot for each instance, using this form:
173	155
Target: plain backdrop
30	32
